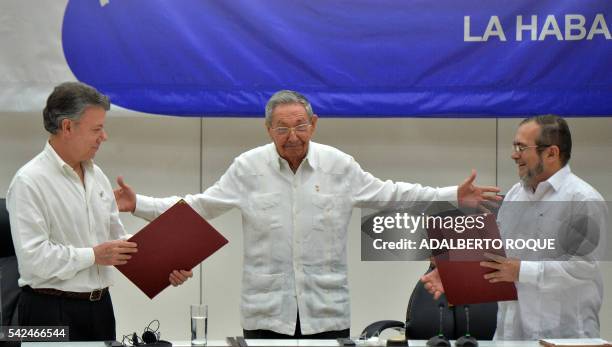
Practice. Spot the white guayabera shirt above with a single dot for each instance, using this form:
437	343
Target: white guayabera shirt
295	229
561	296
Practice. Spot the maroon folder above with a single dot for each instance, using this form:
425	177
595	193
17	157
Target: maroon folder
179	239
460	270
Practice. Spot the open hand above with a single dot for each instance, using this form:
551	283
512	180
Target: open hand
470	195
125	196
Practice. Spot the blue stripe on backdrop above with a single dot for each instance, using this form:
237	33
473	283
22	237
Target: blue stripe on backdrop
449	58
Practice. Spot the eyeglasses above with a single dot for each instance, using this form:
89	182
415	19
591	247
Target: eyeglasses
517	148
302	128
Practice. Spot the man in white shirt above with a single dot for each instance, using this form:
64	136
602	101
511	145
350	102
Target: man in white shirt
561	296
296	198
65	223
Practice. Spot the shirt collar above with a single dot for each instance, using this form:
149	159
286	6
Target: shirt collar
555	181
57	160
311	156
310	159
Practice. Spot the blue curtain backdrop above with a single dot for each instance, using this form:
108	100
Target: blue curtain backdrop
360	58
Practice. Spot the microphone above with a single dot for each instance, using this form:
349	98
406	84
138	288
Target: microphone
439	340
467	340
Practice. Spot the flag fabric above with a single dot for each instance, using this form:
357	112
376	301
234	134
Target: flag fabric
358	58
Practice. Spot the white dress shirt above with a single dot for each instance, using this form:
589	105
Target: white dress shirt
556	298
295	229
56	221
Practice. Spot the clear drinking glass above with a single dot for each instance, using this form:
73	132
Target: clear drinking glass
199	325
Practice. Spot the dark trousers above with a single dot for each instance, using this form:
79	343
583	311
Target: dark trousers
86	320
269	334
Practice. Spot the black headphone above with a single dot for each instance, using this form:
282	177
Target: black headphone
150	337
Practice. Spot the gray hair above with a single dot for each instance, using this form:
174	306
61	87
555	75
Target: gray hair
68	101
284	97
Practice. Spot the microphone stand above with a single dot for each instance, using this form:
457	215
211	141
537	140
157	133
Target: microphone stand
439	340
467	340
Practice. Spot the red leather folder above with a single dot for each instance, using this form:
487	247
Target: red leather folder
460	270
179	239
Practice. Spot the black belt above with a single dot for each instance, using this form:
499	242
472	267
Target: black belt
95	295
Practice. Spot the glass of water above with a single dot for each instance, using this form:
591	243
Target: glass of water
199	325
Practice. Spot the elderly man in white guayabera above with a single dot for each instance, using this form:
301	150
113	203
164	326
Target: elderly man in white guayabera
296	198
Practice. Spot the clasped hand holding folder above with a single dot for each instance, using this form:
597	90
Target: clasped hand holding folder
178	239
460	270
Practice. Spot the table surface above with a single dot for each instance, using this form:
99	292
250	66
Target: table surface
281	343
